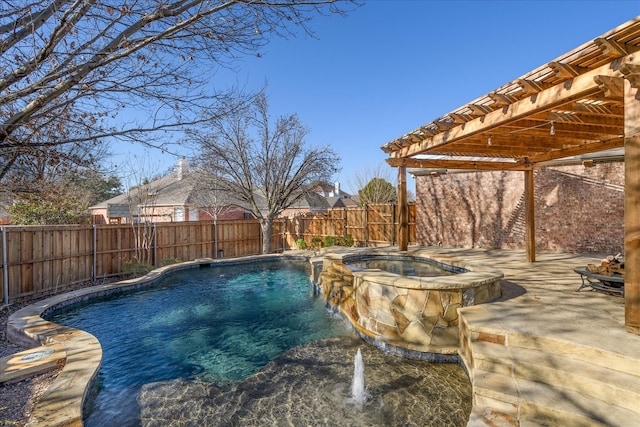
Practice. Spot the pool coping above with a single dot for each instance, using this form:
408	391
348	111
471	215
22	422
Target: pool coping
62	404
468	274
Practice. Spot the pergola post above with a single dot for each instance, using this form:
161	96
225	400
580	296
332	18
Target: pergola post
403	209
529	216
631	210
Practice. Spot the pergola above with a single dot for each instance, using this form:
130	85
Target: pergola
586	101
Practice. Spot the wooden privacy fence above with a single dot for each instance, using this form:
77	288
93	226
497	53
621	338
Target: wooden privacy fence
371	225
44	260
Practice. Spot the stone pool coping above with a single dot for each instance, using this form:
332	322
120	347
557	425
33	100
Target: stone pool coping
62	403
473	274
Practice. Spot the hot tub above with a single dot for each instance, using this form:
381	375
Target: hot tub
415	315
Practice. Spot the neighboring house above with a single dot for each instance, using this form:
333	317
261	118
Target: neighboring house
311	202
343	202
176	197
6	199
172	198
335	197
322	196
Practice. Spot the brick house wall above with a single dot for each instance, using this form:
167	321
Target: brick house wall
168	214
577	209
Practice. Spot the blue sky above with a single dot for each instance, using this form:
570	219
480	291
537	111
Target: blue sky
391	66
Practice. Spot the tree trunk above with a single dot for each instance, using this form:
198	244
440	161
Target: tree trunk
267	228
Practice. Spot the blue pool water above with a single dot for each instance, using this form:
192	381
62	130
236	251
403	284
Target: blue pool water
403	267
215	324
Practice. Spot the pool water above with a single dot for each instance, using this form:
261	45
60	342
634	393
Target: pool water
216	325
406	267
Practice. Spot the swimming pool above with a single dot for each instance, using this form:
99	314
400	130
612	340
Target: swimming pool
306	385
218	324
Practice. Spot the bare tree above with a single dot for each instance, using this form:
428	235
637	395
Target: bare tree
362	176
142	201
374	186
68	68
266	165
209	196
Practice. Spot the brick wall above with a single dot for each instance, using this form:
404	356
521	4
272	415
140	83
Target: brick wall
577	209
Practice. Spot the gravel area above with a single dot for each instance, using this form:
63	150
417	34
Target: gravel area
18	399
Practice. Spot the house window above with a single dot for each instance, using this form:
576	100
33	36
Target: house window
178	213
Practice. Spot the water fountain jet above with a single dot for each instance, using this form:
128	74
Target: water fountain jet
358	389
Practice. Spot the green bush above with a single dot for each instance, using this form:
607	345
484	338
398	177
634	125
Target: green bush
346	240
136	268
316	243
169	261
329	241
301	244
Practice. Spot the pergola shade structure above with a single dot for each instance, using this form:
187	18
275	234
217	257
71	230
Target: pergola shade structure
583	102
570	106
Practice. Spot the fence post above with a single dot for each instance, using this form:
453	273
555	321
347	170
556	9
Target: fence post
155	245
5	268
366	225
393	224
344	221
94	269
215	238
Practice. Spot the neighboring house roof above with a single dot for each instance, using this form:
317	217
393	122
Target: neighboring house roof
328	190
312	201
180	188
320	187
168	190
339	202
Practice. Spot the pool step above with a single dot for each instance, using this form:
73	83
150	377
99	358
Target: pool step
31	362
526	402
572	374
589	354
524	380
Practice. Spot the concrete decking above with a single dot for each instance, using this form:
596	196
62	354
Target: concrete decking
541	355
545	354
33	361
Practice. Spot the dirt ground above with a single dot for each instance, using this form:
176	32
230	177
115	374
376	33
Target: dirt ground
17	399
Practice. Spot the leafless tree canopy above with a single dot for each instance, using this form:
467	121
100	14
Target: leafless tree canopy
210	196
68	67
265	164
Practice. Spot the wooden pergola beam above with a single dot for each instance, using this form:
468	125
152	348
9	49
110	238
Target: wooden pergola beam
566	71
459	164
529	87
613	87
591	147
500	100
610	48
